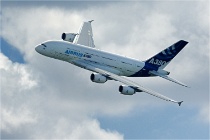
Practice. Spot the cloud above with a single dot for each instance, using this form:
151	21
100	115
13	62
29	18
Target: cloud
14	119
23	105
48	98
204	114
91	128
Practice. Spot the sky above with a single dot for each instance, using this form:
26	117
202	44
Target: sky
43	98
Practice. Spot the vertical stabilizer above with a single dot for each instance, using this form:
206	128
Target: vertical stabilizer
163	58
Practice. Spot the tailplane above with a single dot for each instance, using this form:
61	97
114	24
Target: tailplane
163	58
168	78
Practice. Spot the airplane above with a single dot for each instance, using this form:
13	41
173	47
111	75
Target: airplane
79	49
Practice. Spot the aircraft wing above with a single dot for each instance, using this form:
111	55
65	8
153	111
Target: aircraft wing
124	80
85	35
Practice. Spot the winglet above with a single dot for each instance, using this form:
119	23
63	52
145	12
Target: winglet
91	21
180	103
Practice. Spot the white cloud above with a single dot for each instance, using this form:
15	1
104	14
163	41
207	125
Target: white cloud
35	105
92	129
58	99
14	119
16	82
66	128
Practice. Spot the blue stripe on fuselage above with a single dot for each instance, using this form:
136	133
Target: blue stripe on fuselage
144	72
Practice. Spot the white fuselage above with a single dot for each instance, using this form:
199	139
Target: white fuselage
71	53
109	66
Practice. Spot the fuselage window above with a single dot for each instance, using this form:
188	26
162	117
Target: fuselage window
126	63
106	58
44	45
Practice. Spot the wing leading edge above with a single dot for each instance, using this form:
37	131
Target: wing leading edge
126	81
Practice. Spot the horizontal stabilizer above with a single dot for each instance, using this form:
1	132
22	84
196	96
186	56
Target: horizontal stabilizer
168	78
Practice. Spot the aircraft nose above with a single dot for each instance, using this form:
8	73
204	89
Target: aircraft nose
39	48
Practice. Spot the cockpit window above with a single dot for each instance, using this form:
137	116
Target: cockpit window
44	45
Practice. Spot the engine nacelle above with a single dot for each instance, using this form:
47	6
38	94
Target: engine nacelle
68	36
98	78
126	90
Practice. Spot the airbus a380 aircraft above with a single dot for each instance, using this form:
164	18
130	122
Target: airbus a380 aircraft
79	49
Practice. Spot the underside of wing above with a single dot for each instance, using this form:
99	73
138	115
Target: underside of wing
135	86
85	35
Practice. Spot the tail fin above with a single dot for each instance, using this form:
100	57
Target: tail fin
163	58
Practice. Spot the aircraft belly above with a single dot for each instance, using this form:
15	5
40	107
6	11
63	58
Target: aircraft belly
104	67
110	69
141	73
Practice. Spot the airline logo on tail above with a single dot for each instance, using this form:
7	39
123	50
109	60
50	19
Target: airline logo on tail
162	59
157	62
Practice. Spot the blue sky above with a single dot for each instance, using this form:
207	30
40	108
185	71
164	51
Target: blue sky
47	98
158	124
11	52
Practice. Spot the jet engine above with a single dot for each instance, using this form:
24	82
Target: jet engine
98	78
126	90
68	36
